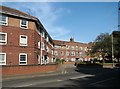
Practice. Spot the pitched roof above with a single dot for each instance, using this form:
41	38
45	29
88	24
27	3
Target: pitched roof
59	42
17	13
8	10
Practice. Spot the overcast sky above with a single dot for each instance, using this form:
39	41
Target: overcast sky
82	20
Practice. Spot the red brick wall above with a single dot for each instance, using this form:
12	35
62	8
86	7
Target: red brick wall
12	48
29	69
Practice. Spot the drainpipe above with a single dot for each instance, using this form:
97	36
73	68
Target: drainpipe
41	48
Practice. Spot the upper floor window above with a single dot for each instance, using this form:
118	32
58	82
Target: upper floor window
3	38
47	39
22	58
72	53
43	34
67	53
47	49
81	48
77	53
23	40
2	58
42	45
38	44
55	53
72	48
76	47
67	47
3	20
62	53
24	23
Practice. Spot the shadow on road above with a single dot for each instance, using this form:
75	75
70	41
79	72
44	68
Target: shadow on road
103	77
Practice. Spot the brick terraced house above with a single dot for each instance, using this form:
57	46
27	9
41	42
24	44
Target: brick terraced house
71	51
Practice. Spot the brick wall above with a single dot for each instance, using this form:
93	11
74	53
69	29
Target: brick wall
29	69
12	48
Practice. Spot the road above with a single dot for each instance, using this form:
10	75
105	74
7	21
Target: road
71	77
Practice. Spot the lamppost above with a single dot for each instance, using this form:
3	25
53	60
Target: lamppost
112	50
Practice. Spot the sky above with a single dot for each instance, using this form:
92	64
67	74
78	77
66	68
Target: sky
83	21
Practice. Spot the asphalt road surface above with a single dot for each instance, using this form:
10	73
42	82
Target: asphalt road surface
70	77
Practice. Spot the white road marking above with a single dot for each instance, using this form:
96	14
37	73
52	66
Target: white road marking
101	81
82	76
59	80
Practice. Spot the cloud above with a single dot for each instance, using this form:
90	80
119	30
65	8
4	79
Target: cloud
47	14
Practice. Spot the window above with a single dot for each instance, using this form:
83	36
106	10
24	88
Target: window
43	34
77	53
55	53
67	53
52	52
62	53
2	58
3	20
42	45
47	61
76	47
22	59
23	40
56	46
67	47
39	45
47	49
72	48
3	38
24	23
72	53
42	61
47	39
81	48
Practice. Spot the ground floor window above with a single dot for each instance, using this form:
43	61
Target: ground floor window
22	59
42	61
2	58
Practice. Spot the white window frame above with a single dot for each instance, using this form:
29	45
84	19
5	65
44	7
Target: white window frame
67	47
4	59
22	44
43	46
72	48
38	44
56	53
72	54
47	49
76	47
48	60
23	61
5	23
43	34
81	48
5	41
67	53
43	60
23	26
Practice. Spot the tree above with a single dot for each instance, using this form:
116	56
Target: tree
116	44
102	46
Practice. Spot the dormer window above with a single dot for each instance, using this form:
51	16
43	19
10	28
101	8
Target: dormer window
23	23
3	19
